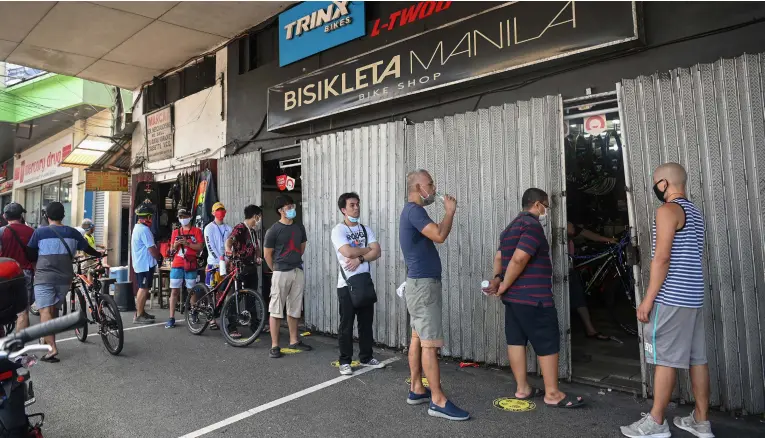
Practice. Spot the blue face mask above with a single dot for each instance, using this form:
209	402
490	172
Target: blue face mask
291	214
355	220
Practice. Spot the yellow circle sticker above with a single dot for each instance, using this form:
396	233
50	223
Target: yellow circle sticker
354	364
424	382
514	404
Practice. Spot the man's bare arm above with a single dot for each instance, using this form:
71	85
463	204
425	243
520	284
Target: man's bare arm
351	253
268	255
374	253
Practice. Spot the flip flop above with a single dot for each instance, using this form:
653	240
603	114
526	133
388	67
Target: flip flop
575	402
50	359
599	336
535	392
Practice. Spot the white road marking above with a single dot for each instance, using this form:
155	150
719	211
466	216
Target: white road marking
125	330
281	401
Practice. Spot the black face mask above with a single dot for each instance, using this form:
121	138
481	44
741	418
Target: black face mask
660	193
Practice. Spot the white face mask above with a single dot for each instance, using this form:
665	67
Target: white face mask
185	221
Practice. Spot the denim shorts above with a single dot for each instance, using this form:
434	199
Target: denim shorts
49	295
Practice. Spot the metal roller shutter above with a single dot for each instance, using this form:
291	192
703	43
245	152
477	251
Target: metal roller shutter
99	216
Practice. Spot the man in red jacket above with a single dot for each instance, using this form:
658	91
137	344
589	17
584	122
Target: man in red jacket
14	238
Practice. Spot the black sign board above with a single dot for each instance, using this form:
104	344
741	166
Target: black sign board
507	37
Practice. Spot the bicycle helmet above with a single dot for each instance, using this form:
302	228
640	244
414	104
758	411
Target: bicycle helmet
144	210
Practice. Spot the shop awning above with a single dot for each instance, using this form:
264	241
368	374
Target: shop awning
87	152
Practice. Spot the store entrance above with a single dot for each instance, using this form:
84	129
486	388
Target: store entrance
604	343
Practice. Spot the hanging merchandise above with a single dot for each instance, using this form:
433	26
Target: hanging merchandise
204	199
281	182
290	184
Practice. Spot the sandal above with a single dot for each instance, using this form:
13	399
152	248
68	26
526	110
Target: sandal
599	336
568	402
214	326
51	358
535	392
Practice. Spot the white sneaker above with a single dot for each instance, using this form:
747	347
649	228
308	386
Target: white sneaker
647	427
346	370
701	429
373	363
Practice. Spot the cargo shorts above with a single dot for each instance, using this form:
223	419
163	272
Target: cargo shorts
423	301
287	290
675	337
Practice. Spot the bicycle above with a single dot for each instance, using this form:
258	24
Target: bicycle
100	309
244	307
607	273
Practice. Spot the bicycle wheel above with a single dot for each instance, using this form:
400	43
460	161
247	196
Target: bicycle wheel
243	312
64	303
202	312
111	325
78	305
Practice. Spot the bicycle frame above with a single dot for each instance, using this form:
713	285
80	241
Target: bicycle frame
85	283
232	278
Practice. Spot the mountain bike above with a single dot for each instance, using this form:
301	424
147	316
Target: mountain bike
100	309
608	276
243	310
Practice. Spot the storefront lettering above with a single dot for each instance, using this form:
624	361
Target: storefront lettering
409	15
319	18
159	135
38	167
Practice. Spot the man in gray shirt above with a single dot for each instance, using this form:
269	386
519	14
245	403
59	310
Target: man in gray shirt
284	246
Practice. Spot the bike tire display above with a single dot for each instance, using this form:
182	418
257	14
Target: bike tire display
112	333
78	304
202	312
245	309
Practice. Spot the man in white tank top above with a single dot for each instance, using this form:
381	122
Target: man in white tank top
673	335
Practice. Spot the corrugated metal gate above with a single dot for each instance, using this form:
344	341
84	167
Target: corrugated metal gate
487	159
99	216
239	184
369	161
710	118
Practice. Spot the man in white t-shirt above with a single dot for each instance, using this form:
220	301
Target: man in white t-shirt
216	233
356	246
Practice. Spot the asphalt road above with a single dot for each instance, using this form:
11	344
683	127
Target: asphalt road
169	383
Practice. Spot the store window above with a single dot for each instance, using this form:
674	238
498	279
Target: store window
33	207
38	198
66	199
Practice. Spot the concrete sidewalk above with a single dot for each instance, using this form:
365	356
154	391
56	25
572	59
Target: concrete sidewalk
169	383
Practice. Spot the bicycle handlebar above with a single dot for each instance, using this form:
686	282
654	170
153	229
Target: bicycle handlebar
52	327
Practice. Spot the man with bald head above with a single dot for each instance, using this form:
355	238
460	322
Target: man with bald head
674	335
418	235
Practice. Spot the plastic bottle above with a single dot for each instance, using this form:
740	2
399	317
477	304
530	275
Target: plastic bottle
484	285
222	268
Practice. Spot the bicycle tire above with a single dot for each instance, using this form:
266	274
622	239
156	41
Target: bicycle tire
204	302
110	316
259	304
63	303
81	332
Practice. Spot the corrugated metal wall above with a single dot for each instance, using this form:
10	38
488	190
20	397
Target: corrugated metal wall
99	216
369	161
710	118
487	159
239	184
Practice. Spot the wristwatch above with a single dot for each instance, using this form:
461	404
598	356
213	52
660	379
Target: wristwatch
499	276
361	259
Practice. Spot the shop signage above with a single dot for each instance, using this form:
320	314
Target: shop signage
408	15
507	37
106	181
281	182
595	124
290	183
4	171
159	135
6	186
42	163
312	27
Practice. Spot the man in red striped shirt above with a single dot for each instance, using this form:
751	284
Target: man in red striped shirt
523	279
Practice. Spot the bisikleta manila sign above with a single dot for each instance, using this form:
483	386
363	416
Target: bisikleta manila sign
312	27
506	37
42	163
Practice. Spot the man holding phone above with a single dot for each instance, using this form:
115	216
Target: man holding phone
186	241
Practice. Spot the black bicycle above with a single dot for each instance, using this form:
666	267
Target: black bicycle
607	275
100	309
244	311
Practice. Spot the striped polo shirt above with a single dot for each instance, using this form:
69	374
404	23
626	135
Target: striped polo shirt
534	286
684	285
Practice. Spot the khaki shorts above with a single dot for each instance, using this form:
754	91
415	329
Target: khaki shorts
675	337
423	301
287	289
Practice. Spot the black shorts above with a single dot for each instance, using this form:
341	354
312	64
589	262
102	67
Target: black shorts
535	324
144	279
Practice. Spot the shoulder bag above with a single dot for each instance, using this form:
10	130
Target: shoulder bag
29	253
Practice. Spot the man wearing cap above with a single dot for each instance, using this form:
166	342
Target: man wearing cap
145	256
186	243
216	233
56	245
88	232
14	238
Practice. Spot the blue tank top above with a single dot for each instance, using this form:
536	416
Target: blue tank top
684	286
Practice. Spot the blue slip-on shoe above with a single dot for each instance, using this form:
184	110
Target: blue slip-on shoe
418	399
450	412
170	323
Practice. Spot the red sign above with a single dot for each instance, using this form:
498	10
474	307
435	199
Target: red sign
281	182
409	15
595	125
